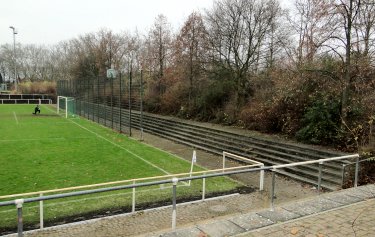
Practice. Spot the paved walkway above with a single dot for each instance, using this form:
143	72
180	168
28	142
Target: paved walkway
352	220
349	212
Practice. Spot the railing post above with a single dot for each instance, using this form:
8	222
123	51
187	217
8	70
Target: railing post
174	211
41	213
356	172
19	203
133	199
273	190
261	181
204	188
320	176
342	175
223	161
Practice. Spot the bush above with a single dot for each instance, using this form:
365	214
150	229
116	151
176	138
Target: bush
321	122
40	87
212	100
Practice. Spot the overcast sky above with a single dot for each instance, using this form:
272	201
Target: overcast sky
50	21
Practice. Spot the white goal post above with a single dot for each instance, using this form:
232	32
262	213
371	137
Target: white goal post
65	106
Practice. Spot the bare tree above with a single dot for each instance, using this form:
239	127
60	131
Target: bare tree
347	13
191	46
94	53
237	30
158	48
6	61
364	27
314	25
276	35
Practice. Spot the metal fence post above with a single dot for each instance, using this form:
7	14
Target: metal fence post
41	213
141	92
119	102
320	176
98	99
92	100
130	103
174	211
105	102
88	99
223	162
204	188
79	98
112	102
356	172
261	181
273	190
342	175
19	203
133	199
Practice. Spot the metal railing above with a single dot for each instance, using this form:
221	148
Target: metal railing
133	181
19	202
357	163
26	96
25	101
246	160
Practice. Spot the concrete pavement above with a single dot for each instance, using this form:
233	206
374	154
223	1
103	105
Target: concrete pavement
351	220
348	212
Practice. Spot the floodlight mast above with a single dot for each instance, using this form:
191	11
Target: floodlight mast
14	57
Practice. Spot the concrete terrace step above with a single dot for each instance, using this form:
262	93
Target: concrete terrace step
204	137
329	179
250	153
230	137
250	149
321	153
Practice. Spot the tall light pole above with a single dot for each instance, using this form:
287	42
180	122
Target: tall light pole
14	56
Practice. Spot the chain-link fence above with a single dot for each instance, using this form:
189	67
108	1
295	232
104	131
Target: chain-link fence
108	101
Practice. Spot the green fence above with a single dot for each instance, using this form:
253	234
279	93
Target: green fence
110	102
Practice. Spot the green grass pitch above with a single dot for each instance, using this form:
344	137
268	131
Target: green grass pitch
48	151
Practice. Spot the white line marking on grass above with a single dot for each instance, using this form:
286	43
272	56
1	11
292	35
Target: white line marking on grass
117	145
121	147
15	117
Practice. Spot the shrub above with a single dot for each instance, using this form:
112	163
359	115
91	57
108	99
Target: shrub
39	87
212	100
321	122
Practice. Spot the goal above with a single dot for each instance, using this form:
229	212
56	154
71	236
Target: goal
66	106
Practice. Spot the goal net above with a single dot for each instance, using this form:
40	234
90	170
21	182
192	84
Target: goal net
66	106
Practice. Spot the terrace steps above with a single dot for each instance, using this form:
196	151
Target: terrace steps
213	140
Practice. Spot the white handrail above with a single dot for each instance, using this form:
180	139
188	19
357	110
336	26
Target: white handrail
314	161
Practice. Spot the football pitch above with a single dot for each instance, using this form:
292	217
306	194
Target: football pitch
47	151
